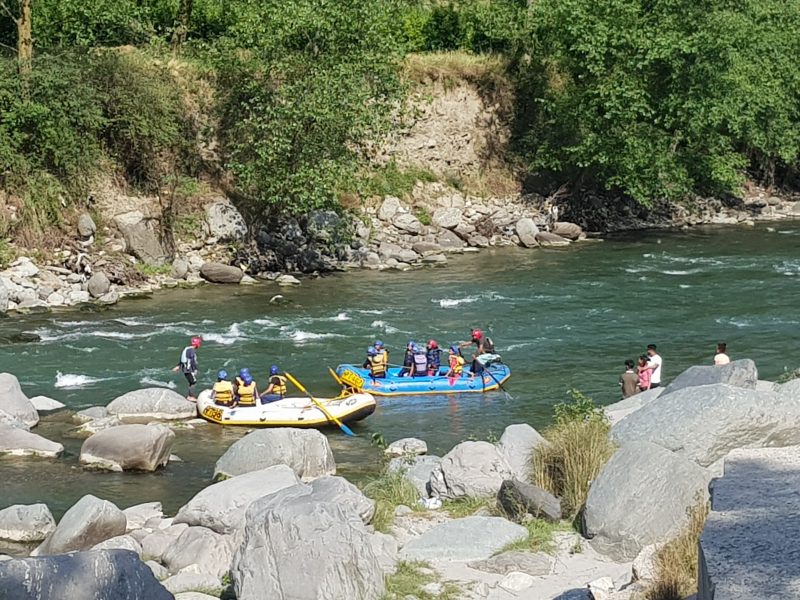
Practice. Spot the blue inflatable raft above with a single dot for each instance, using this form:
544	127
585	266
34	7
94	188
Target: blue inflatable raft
393	385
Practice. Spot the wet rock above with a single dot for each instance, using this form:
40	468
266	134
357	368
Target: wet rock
221	507
468	539
151	404
136	516
91	427
128	448
570	231
224	221
141	237
45	404
293	528
220	273
14	402
739	373
417	470
98	284
210	551
88	522
287	280
389	208
551	240
471	469
306	451
26	523
94	575
446	218
18	442
120	542
86	226
406	446
518	498
517	445
641	497
538	563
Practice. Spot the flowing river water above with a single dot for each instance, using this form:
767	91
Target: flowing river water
561	319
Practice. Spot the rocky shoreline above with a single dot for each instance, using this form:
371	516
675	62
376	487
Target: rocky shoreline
278	522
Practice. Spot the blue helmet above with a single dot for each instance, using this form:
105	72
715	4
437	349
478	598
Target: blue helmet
244	372
222	375
378	344
273	370
411	344
453	349
371	351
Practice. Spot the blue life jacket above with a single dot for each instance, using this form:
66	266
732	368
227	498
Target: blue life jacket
434	358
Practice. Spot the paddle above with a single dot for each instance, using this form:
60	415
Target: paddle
335	377
497	381
319	405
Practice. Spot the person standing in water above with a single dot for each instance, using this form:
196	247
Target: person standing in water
187	364
721	357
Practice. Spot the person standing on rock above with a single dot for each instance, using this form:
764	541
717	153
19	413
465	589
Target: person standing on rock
629	381
721	357
654	364
188	366
644	372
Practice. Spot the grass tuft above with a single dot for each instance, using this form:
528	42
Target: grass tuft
676	562
466	507
540	537
393	180
389	490
409	580
449	67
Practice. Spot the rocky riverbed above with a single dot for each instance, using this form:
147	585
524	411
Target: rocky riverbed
278	522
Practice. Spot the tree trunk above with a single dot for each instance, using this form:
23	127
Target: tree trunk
182	24
24	46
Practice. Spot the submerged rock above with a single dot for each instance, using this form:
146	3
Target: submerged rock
151	404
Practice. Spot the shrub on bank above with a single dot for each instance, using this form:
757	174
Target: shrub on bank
389	490
579	447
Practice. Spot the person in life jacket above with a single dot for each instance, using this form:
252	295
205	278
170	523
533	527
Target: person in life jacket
382	351
376	363
222	392
483	345
456	362
408	359
276	390
434	358
419	367
187	364
245	390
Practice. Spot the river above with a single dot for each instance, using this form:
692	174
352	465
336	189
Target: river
561	319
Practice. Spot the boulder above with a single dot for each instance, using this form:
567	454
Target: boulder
120	542
221	273
338	490
385	548
526	232
644	565
224	221
789	391
4	297
14	402
446	218
221	507
739	373
158	570
449	241
128	448
641	497
156	544
12	421
179	269
193	582
141	237
417	470
389	208
151	404
306	451
518	498
88	522
94	575
619	410
571	231
550	240
704	423
471	469
286	532
408	223
516	445
91	427
90	414
426	249
18	442
200	546
287	280
136	516
26	523
86	226
539	563
406	447
468	539
45	404
98	284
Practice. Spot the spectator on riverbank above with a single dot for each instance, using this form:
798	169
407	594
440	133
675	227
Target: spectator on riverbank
644	372
721	357
629	381
654	363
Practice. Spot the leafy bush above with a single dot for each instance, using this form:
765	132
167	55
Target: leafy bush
443	29
7	253
392	180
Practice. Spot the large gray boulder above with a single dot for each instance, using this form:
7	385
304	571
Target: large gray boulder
14	402
518	498
390	206
141	237
287	532
120	542
704	423
526	232
517	445
26	523
408	223
137	515
221	273
338	490
95	575
151	404
551	240
417	470
224	221
306	451
128	448
45	404
86	225
12	421
221	507
200	546
739	373
571	231
471	538
619	410
98	284
471	469
88	522
160	540
789	392
18	442
641	497
446	218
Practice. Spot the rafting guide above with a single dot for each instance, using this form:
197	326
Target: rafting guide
187	364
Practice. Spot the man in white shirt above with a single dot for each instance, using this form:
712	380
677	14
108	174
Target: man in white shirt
654	362
721	357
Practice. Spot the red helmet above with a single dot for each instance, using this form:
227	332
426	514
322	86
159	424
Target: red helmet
432	344
196	341
477	334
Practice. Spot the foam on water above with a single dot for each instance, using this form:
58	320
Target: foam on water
265	322
384	326
302	337
73	380
229	337
450	302
156	383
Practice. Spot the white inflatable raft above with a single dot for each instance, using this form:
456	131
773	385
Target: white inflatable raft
289	412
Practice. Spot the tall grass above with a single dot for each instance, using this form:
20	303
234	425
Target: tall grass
389	490
676	562
409	580
579	447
